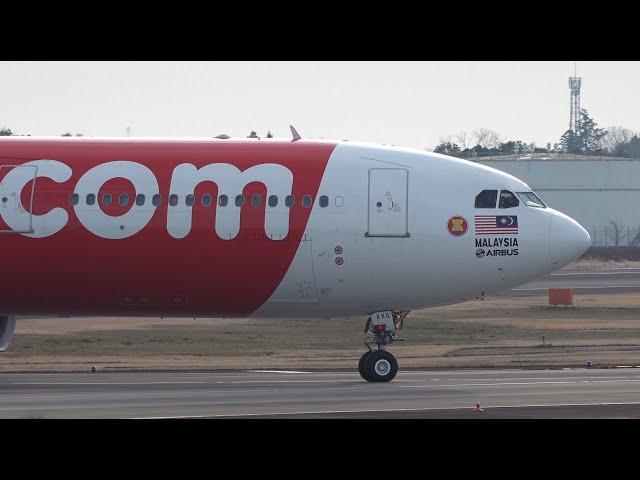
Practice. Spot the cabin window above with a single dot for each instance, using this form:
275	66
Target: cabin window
239	200
123	200
324	201
73	199
91	199
140	199
173	199
273	201
206	200
339	201
307	201
508	199
256	201
223	200
156	200
189	200
486	199
290	201
530	199
106	199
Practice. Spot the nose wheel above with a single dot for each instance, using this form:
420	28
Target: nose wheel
379	365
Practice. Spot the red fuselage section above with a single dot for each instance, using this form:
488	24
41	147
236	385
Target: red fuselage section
77	272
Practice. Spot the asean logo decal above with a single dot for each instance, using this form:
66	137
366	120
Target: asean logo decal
457	226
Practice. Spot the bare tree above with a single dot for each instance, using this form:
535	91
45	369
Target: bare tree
486	138
463	139
616	136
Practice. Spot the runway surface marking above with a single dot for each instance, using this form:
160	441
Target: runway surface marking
514	383
594	273
329	412
105	383
627	279
274	371
396	383
576	288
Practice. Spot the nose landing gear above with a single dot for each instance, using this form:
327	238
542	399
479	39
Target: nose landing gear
380	365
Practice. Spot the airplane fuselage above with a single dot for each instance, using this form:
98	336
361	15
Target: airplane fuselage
209	228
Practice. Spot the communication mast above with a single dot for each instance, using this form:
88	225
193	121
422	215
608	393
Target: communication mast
574	86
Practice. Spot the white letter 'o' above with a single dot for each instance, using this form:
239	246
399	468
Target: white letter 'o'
138	216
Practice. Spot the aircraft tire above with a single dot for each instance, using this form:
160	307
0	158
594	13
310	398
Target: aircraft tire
361	364
380	366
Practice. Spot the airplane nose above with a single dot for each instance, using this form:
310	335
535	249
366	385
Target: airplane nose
567	240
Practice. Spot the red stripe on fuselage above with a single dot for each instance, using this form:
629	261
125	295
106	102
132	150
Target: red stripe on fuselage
77	272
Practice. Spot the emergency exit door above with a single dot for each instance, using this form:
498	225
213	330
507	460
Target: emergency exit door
388	202
17	184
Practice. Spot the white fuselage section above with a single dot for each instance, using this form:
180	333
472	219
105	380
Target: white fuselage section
384	243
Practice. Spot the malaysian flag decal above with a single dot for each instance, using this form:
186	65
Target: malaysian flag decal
496	224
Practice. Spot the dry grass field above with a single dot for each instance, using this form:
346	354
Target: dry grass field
495	332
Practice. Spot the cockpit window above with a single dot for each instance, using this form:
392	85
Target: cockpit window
530	199
486	199
508	199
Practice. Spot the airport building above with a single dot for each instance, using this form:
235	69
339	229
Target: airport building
602	193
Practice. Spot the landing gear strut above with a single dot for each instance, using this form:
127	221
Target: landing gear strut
379	365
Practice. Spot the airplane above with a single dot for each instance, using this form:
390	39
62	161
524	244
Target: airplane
224	227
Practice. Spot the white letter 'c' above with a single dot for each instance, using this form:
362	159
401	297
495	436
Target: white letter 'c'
18	219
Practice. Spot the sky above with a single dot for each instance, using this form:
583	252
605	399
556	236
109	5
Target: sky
411	104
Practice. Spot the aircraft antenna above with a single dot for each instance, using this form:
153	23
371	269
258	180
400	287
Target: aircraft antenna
294	132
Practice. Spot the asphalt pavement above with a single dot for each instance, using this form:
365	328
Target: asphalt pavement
566	393
624	280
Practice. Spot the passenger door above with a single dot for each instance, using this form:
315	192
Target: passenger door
388	202
17	217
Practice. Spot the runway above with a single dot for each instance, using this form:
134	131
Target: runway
623	280
568	393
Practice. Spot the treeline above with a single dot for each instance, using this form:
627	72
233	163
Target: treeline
587	139
6	132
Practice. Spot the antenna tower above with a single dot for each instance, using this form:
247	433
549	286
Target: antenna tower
574	86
